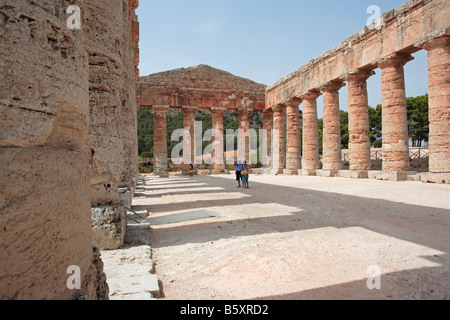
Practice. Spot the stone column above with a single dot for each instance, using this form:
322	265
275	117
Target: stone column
332	154
395	119
358	124
188	136
244	135
160	163
218	140
310	159
439	103
278	139
293	153
267	143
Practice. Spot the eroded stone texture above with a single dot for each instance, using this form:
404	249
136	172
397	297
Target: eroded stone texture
244	135
267	142
104	141
394	114
439	110
293	151
218	140
332	155
310	158
188	136
160	141
44	208
279	138
358	124
109	225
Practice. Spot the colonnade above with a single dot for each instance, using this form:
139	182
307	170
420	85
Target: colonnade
394	120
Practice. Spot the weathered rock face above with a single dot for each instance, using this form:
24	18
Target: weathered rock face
56	86
112	137
44	103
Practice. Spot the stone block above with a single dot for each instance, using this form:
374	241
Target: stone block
308	172
398	176
429	177
329	173
344	173
358	174
109	226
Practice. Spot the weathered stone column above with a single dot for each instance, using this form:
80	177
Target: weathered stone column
332	154
358	124
279	139
310	159
244	135
188	136
267	142
218	140
439	103
395	119
293	151
160	163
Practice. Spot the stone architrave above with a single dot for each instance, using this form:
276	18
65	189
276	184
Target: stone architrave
439	103
293	145
278	139
394	114
267	136
160	162
218	140
188	135
358	124
310	158
332	154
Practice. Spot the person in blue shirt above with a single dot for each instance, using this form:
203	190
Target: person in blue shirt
238	166
244	174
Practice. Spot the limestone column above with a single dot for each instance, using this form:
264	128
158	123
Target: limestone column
188	136
218	140
278	139
160	163
395	119
310	159
267	142
358	124
293	153
332	154
244	135
439	103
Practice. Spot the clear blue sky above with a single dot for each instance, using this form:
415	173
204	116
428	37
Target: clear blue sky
262	40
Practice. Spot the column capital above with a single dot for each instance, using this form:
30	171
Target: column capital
396	59
331	86
189	108
218	109
358	75
430	44
311	95
293	102
267	111
160	108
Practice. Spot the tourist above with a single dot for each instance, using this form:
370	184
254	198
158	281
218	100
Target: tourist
191	170
245	174
238	166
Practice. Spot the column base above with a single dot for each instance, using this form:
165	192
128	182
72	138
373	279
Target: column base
108	227
397	175
161	173
218	171
277	171
290	172
429	177
309	172
328	173
358	174
125	196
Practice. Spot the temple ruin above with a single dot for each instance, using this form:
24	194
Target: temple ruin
68	140
387	45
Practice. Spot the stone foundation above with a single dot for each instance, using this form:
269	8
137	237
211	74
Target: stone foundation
109	225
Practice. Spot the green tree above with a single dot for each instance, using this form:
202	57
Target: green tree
375	125
418	123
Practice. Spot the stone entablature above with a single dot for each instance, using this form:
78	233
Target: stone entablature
201	86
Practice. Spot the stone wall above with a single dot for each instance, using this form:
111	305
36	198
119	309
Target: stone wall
60	93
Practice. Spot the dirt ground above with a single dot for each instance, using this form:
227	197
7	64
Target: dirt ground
290	237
